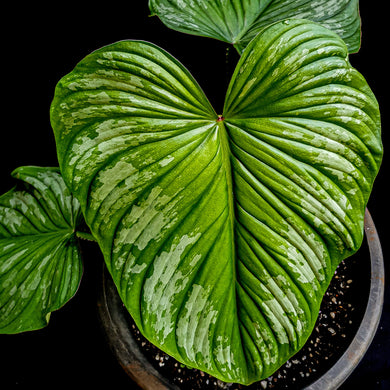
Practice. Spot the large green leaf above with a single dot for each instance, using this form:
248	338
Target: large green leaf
238	21
222	233
40	265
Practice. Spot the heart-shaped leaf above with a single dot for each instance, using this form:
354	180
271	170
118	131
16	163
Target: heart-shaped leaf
40	265
238	21
222	233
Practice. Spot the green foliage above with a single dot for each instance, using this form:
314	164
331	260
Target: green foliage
40	265
239	21
222	232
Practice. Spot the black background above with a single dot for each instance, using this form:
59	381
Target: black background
40	44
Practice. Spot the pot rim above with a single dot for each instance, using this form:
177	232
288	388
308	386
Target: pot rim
134	363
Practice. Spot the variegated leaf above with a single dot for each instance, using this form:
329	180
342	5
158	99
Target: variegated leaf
40	265
238	21
222	232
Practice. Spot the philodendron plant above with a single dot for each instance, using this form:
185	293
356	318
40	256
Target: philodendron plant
221	231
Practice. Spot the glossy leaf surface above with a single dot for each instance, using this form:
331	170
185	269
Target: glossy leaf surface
238	21
40	265
222	233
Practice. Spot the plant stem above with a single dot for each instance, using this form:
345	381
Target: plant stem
85	236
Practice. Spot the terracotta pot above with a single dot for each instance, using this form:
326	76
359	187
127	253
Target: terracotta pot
115	322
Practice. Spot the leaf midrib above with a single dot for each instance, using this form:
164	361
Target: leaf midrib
226	158
63	233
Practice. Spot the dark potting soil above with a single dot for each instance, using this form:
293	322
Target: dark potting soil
342	310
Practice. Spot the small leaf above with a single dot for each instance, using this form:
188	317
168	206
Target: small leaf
40	264
238	21
222	232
